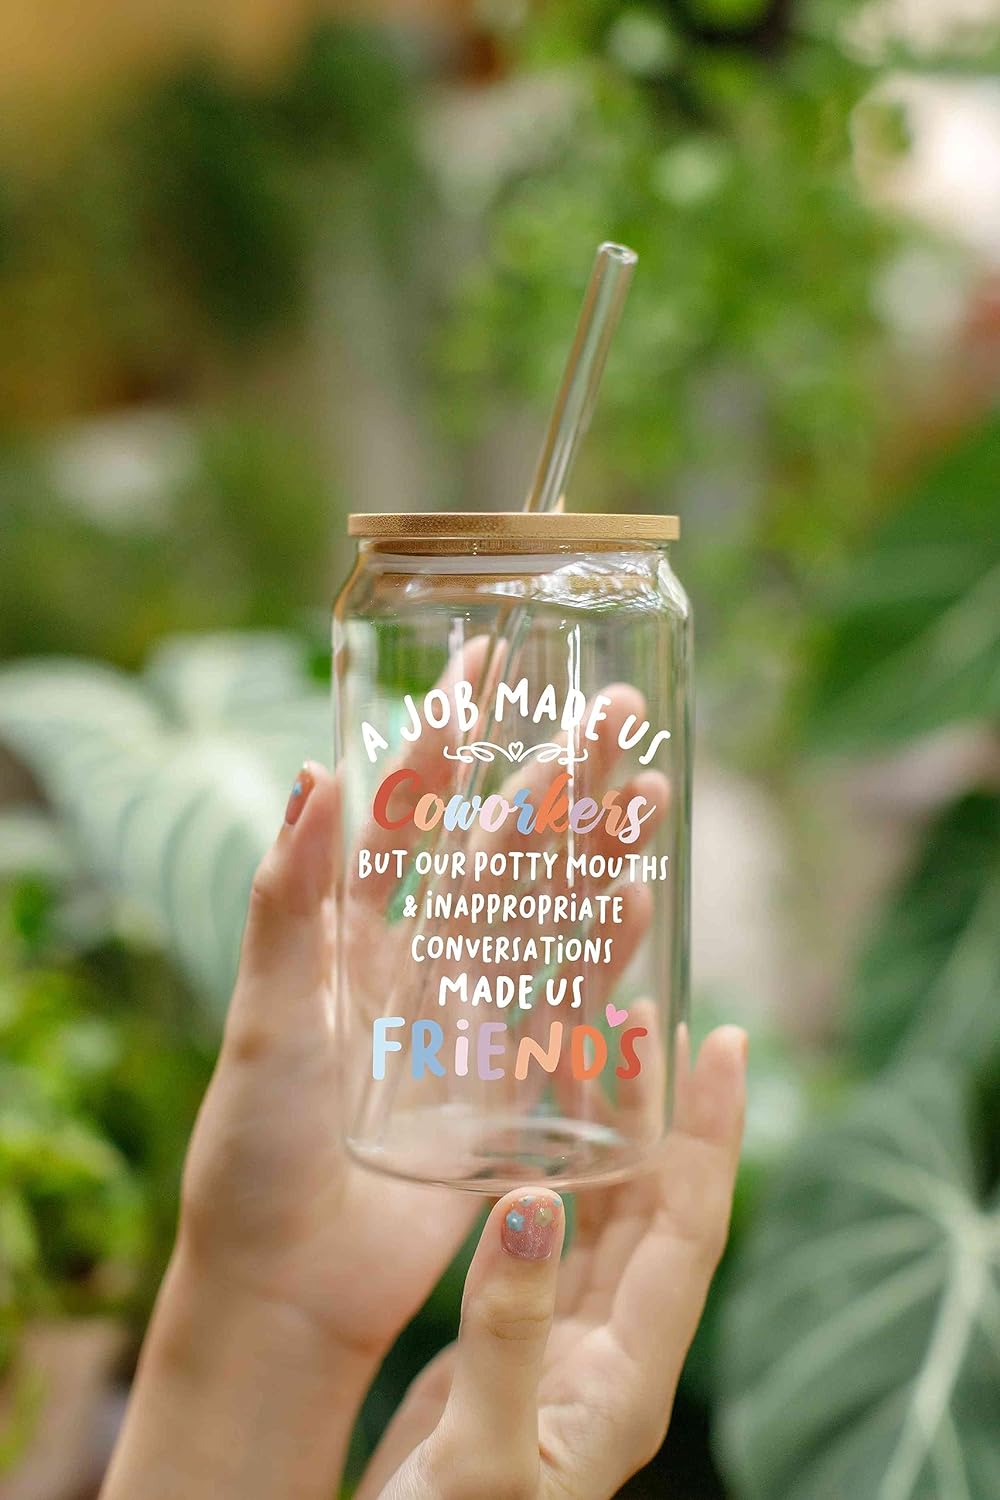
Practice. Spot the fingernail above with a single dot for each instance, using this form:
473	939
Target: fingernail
304	783
744	1046
531	1225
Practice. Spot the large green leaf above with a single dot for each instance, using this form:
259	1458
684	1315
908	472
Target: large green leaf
861	1339
173	785
929	977
915	630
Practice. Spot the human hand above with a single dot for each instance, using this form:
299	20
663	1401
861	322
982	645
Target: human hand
562	1379
287	1283
272	1204
271	1200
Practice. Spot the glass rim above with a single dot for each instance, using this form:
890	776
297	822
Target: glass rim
516	525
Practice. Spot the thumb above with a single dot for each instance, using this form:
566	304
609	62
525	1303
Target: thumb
487	1440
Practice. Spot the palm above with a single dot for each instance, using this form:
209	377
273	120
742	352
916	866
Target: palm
585	1359
630	1294
272	1197
287	1214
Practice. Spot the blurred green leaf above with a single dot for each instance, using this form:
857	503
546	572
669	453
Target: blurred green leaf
18	1242
914	639
25	1391
787	1090
69	1199
928	980
347	88
173	785
729	13
748	385
31	843
861	1343
233	532
212	187
100	1076
642	42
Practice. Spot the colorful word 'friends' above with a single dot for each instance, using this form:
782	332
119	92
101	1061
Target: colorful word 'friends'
492	1049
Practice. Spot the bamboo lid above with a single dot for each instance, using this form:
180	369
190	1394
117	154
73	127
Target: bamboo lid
513	525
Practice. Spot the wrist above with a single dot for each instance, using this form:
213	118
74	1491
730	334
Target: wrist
251	1322
237	1394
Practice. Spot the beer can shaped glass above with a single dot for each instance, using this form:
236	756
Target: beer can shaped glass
511	705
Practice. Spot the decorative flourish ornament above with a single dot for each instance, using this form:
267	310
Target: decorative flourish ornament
516	752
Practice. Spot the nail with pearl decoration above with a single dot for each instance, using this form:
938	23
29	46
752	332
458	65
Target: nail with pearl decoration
531	1225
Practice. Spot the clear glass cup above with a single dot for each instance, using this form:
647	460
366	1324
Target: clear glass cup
511	696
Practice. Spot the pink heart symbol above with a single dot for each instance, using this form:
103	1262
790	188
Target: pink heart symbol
615	1017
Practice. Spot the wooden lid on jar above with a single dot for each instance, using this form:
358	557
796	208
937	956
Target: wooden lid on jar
512	525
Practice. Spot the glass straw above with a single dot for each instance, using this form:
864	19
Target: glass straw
569	419
602	306
603	301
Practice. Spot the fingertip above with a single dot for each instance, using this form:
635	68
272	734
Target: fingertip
532	1222
729	1045
302	787
296	873
712	1104
655	787
682	1050
475	653
639	902
626	699
309	844
314	793
507	1311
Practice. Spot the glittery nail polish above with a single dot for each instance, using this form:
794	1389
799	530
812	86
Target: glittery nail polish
304	783
531	1225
